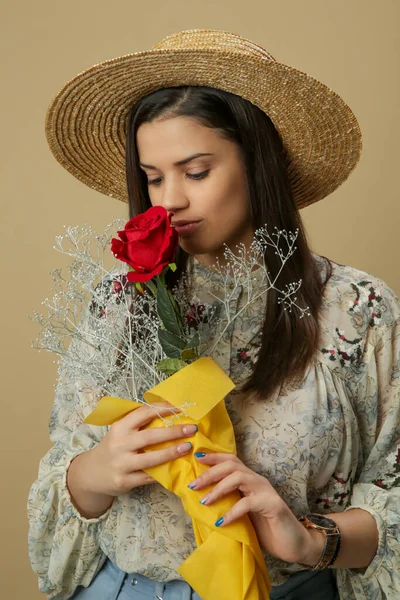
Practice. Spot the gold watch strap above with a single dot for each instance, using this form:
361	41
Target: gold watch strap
332	539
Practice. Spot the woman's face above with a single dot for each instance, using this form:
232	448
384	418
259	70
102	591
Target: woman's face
209	193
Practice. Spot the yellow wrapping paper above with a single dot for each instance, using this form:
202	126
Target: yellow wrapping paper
228	563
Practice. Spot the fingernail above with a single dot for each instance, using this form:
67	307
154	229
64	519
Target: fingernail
219	522
184	447
199	454
204	500
191	486
189	429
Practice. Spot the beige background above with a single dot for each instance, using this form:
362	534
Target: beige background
351	45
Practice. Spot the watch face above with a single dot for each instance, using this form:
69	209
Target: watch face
321	521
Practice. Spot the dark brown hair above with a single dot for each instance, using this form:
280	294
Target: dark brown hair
288	342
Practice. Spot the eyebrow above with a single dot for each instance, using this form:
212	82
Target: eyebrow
181	162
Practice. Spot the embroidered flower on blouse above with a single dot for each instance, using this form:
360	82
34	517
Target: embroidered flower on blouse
109	290
243	355
390	478
344	488
368	306
196	315
345	351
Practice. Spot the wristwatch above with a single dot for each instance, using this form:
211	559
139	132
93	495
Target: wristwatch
331	531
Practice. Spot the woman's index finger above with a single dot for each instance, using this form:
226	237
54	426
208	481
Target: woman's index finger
146	413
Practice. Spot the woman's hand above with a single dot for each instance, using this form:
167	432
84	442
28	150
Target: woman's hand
278	530
115	465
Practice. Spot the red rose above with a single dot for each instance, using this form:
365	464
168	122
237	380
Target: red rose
148	244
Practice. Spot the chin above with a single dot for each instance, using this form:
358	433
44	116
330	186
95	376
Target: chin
191	247
202	243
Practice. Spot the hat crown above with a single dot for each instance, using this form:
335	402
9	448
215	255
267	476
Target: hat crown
215	39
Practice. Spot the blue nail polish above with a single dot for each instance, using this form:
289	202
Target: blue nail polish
219	522
203	501
191	486
199	454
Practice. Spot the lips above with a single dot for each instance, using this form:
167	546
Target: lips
182	222
184	228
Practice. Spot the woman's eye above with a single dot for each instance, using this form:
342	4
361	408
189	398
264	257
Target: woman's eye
195	176
154	181
198	175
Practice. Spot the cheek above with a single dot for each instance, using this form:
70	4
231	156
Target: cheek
232	209
225	199
223	204
153	196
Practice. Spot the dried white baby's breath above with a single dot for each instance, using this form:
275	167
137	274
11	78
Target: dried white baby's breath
115	347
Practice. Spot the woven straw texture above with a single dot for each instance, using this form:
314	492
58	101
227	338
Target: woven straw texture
86	122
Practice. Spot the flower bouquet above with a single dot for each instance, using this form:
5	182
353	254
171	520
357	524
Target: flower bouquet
140	342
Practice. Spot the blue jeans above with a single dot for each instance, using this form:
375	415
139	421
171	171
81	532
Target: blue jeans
113	584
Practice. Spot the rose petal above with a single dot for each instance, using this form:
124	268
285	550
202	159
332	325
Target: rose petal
136	277
148	243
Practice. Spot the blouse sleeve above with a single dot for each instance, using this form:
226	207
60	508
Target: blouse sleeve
377	487
64	547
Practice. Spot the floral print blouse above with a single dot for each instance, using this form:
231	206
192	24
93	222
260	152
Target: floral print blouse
330	444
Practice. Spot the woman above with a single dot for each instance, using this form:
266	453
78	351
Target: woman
228	140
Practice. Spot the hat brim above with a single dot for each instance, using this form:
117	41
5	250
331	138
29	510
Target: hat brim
86	122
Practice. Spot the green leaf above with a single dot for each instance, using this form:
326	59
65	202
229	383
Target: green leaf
194	341
169	366
151	287
166	311
173	267
171	344
189	354
139	287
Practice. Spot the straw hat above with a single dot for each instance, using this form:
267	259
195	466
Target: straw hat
86	122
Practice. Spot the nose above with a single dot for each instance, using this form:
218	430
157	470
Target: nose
173	197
